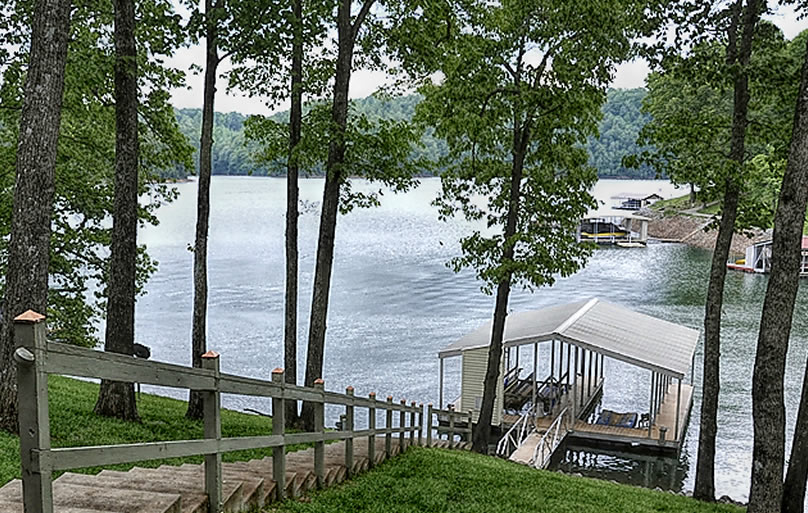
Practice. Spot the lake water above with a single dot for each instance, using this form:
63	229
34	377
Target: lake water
395	305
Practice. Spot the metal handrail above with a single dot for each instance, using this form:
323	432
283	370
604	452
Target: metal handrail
523	427
554	428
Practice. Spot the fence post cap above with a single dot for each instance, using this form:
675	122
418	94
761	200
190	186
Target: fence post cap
29	317
210	354
319	381
277	370
349	389
429	404
413	403
403	401
372	395
390	398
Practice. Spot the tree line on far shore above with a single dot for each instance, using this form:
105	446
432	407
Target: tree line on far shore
622	121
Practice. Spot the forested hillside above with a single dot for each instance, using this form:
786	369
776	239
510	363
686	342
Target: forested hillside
622	120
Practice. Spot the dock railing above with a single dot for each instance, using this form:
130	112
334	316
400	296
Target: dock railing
458	424
551	439
36	359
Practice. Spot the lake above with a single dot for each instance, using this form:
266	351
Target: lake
395	304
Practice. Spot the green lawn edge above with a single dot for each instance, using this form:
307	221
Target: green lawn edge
73	424
440	480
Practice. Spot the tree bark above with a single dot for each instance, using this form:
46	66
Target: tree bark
704	488
117	399
29	247
292	214
482	430
794	486
330	209
200	314
777	315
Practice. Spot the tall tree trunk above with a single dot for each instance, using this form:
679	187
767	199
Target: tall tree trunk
482	430
29	248
200	315
292	214
778	310
794	486
328	216
704	488
117	399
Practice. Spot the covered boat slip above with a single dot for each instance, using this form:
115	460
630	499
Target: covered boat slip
543	402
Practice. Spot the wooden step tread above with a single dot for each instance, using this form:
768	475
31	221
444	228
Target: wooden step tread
67	495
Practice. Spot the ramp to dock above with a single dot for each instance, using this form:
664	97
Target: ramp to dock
538	447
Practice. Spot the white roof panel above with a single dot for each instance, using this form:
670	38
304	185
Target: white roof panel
606	328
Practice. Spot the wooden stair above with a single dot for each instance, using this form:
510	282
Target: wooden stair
246	485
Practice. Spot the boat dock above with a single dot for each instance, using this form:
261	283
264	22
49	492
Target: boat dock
536	418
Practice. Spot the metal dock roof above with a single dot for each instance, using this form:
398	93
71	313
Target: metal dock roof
600	326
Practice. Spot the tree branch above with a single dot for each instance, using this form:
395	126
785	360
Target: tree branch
360	18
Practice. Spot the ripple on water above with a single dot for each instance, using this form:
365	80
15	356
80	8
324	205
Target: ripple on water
394	305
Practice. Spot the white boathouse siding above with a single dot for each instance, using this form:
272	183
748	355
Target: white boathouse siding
475	364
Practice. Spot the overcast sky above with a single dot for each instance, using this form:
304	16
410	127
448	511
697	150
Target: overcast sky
363	83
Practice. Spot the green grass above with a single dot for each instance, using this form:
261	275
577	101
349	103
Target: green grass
73	423
434	480
678	203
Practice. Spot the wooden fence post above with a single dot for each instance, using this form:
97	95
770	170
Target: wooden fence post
388	437
319	427
32	397
421	425
278	426
451	426
211	408
413	424
372	429
402	423
349	426
429	425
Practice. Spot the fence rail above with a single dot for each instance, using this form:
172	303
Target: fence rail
37	358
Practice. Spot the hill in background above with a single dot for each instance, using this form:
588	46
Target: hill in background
622	120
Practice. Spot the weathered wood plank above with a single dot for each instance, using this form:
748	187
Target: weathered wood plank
87	363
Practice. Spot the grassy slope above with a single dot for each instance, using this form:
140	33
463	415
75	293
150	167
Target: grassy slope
73	424
440	480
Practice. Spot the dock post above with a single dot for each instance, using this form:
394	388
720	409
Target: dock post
278	423
429	425
372	429
651	409
402	426
388	437
535	370
211	405
451	426
440	386
319	427
349	426
678	404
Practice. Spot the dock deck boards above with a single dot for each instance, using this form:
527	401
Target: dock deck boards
665	418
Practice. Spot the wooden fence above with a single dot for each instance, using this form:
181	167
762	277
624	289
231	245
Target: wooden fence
37	358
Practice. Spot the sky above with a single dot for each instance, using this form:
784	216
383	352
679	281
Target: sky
363	83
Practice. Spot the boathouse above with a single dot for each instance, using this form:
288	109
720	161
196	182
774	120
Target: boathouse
758	258
541	402
612	227
634	200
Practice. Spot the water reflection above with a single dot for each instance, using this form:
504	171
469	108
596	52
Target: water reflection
633	469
